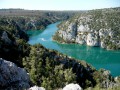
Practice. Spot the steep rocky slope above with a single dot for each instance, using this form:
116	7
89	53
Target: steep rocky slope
93	28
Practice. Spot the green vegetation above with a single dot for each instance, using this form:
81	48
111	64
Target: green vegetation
53	70
45	70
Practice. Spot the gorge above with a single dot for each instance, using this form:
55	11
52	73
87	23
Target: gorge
53	65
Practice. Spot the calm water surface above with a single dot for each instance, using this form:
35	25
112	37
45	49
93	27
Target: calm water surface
98	57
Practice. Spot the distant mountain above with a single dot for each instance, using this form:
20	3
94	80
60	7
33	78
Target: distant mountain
34	19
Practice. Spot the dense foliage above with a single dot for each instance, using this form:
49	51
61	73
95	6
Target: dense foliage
45	71
52	70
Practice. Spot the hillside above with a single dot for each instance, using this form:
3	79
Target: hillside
94	28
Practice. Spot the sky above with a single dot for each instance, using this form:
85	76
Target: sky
59	4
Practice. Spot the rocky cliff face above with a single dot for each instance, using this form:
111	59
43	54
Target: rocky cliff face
12	77
93	28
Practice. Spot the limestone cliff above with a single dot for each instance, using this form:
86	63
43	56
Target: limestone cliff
93	28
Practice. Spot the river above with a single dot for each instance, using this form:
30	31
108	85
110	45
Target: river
97	57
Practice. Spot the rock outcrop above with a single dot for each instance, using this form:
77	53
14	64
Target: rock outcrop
92	40
13	77
5	38
36	88
93	28
72	87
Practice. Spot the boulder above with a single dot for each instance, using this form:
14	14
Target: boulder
72	87
12	76
5	37
36	88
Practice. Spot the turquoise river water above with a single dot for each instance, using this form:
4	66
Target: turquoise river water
97	57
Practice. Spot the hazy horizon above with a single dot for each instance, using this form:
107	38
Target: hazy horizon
58	4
